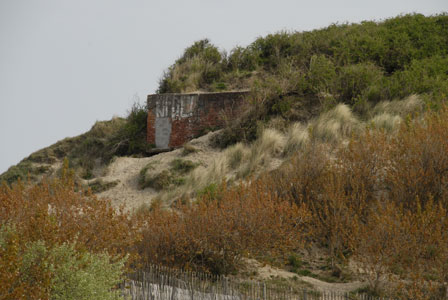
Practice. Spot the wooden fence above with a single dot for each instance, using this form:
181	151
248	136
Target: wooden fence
159	283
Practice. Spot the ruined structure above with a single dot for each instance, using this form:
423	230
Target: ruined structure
174	119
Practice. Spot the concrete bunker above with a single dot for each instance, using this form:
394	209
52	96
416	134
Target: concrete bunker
174	119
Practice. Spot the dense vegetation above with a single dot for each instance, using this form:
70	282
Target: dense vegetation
365	180
296	75
381	201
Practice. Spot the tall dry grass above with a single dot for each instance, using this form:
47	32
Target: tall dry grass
270	144
333	128
386	121
298	136
410	105
336	124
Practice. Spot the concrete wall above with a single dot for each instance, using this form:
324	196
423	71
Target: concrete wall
174	119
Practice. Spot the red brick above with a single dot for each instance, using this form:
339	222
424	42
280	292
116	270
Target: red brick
191	115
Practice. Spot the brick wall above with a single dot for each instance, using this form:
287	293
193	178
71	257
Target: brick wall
174	119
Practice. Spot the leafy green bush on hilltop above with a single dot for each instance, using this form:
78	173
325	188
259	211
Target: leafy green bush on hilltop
290	73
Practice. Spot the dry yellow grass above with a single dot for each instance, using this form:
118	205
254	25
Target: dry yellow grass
335	124
270	144
409	105
386	121
236	154
298	136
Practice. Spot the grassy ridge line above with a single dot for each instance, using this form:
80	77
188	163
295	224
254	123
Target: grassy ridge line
88	152
297	75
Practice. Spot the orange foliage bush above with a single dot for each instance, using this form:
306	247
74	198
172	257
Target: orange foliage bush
330	189
397	243
13	284
214	235
382	198
55	212
419	156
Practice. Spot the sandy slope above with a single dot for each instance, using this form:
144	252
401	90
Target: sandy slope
127	169
265	272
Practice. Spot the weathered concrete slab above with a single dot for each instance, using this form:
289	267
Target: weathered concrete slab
174	119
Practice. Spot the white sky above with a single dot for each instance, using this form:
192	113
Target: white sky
66	63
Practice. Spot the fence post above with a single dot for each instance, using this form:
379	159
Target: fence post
304	294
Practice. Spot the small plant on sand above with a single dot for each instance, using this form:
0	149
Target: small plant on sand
189	149
182	166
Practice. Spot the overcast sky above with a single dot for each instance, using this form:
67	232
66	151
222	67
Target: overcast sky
65	64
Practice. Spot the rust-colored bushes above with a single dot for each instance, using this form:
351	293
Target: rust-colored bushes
214	235
56	212
40	221
419	156
382	199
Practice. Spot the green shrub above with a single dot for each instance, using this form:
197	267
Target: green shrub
321	76
158	181
304	272
188	149
99	185
37	270
74	275
425	76
273	47
84	276
143	174
413	36
219	86
204	49
295	262
183	166
131	138
242	59
21	170
358	82
208	192
199	67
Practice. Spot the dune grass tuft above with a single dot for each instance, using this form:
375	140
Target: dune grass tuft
386	121
297	138
270	144
236	155
335	124
410	105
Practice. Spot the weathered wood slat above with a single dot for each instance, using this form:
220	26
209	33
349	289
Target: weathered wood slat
161	283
